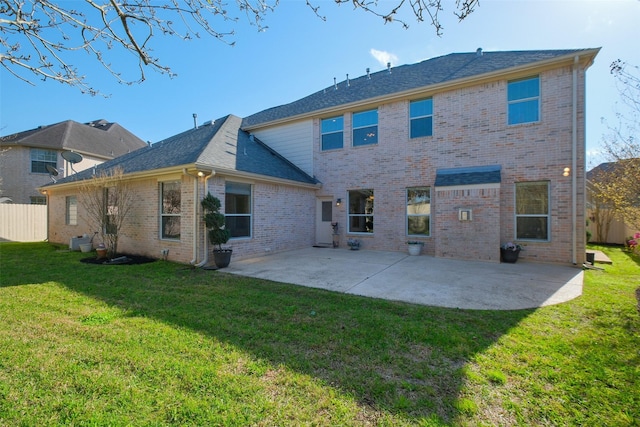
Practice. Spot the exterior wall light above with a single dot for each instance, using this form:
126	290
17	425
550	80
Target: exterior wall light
338	202
566	172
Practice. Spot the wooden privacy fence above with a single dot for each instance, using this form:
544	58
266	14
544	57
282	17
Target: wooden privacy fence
23	223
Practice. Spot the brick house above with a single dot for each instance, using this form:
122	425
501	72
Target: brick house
25	155
462	152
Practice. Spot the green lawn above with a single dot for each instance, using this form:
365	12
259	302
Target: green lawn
163	344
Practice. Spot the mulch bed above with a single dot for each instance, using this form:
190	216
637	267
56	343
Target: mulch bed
120	259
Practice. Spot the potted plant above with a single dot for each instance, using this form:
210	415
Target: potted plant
509	252
354	244
415	247
217	233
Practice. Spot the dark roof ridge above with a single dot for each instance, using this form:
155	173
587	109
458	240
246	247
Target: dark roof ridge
406	78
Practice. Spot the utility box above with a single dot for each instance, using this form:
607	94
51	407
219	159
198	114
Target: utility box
464	215
75	242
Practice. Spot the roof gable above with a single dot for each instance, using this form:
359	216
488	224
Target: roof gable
220	145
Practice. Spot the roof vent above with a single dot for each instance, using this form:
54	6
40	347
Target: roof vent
368	74
389	67
335	85
195	121
479	51
348	82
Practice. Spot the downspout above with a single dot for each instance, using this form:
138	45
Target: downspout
195	215
574	160
205	258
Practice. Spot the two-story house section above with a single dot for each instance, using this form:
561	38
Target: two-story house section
28	158
463	152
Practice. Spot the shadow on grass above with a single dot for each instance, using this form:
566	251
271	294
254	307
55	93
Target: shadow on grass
402	359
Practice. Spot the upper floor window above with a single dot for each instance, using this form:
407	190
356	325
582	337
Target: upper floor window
365	128
332	133
524	100
361	211
71	217
532	210
237	209
171	210
421	117
41	158
418	211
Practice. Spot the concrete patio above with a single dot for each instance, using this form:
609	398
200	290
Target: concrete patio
419	279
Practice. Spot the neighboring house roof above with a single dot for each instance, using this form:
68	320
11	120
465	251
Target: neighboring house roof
406	78
601	168
220	145
468	176
99	138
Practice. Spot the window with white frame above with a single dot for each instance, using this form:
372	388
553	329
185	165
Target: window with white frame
523	97
237	209
41	158
71	216
419	211
532	211
332	130
170	210
365	128
421	117
360	211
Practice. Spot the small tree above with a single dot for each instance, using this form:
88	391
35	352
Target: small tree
107	199
621	188
214	221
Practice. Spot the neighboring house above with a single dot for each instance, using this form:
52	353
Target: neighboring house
604	225
26	155
463	152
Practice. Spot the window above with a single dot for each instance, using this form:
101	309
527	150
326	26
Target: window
71	210
237	209
332	130
365	128
524	100
419	211
421	118
38	200
171	210
41	158
361	211
532	210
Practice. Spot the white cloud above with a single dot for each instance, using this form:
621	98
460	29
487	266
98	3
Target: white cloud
383	57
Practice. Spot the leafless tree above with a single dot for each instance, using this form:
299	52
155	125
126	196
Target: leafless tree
107	200
41	39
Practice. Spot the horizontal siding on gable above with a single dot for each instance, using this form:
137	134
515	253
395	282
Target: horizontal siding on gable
293	141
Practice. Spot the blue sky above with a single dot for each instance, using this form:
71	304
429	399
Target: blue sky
300	54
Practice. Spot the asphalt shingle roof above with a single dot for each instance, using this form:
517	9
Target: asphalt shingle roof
99	138
220	144
404	78
468	176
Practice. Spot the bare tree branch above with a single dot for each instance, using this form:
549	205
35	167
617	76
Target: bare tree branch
42	39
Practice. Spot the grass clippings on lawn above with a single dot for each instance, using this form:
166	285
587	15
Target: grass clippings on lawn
161	344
